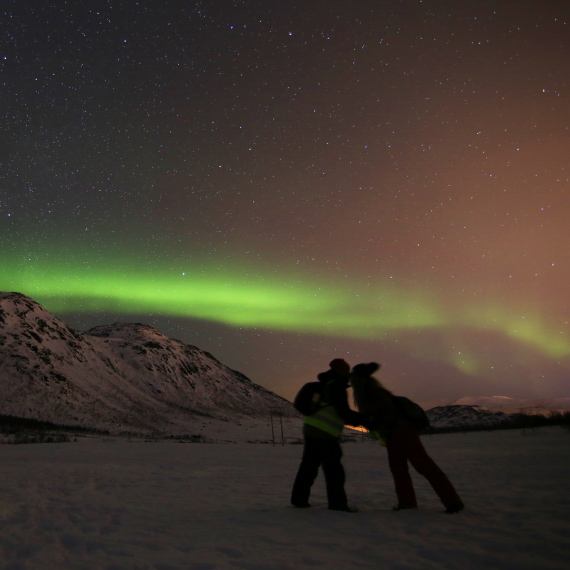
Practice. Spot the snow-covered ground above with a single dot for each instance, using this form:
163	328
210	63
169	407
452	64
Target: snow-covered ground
124	505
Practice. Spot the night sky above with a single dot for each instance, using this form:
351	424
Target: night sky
281	183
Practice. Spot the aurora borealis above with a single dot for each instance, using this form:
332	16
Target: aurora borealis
283	183
231	299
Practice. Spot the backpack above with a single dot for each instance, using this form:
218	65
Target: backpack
308	399
413	412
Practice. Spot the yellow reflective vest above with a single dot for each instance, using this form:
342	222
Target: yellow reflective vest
326	419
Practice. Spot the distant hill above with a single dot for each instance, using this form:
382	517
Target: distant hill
117	377
468	418
462	416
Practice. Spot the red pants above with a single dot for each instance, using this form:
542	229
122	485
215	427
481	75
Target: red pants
404	445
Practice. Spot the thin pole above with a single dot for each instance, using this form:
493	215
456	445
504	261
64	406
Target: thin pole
272	430
282	436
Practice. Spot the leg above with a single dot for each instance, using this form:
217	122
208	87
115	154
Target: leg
398	461
307	473
427	467
334	474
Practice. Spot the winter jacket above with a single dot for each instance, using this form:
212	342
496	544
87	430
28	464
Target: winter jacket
377	405
335	412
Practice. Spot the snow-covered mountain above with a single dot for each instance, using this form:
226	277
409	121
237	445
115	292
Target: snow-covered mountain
463	416
118	377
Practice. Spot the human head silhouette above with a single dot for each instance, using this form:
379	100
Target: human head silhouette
340	366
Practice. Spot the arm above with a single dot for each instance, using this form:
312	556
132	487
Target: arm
339	400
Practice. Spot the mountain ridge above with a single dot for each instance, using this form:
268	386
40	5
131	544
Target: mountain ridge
118	376
465	416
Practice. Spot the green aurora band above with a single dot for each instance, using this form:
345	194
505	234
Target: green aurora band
237	298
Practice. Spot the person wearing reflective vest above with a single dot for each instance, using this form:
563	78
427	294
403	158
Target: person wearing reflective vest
322	431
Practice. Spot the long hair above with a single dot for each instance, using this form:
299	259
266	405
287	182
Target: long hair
370	396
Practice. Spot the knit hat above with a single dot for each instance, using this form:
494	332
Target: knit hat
339	366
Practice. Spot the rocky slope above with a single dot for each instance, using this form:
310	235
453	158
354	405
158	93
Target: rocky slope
118	377
463	416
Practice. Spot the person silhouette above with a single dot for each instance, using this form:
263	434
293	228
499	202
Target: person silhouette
322	430
402	441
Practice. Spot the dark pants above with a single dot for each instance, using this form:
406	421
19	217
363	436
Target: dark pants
405	445
316	452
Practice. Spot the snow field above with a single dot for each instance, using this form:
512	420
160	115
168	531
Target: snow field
134	505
